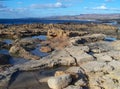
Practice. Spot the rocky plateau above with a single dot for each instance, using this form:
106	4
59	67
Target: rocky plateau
88	61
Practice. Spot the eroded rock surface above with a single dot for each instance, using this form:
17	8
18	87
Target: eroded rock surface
20	48
96	63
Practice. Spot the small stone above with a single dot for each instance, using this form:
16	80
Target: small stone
46	49
80	82
73	75
73	87
59	82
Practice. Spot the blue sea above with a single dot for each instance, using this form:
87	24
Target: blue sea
30	21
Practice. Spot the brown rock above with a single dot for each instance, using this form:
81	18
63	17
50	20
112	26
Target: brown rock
19	51
58	73
56	43
55	32
45	49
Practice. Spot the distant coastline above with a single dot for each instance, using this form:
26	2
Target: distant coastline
82	18
43	21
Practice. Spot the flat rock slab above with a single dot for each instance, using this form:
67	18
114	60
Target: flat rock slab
32	79
27	81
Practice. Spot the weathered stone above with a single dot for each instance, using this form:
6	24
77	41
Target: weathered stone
79	53
59	82
100	47
27	43
115	64
81	80
75	69
73	87
77	33
62	57
103	57
55	32
21	52
93	66
45	49
116	45
58	73
82	58
73	75
81	83
56	43
77	49
87	39
115	55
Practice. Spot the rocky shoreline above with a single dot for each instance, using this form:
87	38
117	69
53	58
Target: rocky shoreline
87	60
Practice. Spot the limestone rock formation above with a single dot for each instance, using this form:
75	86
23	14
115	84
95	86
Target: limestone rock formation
59	33
21	52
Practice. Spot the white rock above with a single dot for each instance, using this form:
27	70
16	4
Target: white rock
59	82
80	82
73	87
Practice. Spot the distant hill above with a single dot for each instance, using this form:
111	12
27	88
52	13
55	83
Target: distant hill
86	17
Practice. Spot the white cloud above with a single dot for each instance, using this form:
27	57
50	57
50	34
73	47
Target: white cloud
102	7
58	4
12	10
45	6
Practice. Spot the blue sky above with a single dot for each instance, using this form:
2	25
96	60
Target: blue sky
45	8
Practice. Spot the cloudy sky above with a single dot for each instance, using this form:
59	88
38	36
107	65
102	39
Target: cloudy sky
44	8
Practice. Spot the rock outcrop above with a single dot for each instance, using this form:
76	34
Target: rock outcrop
21	49
92	63
58	33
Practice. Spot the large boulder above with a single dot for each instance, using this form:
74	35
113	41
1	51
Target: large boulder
59	82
